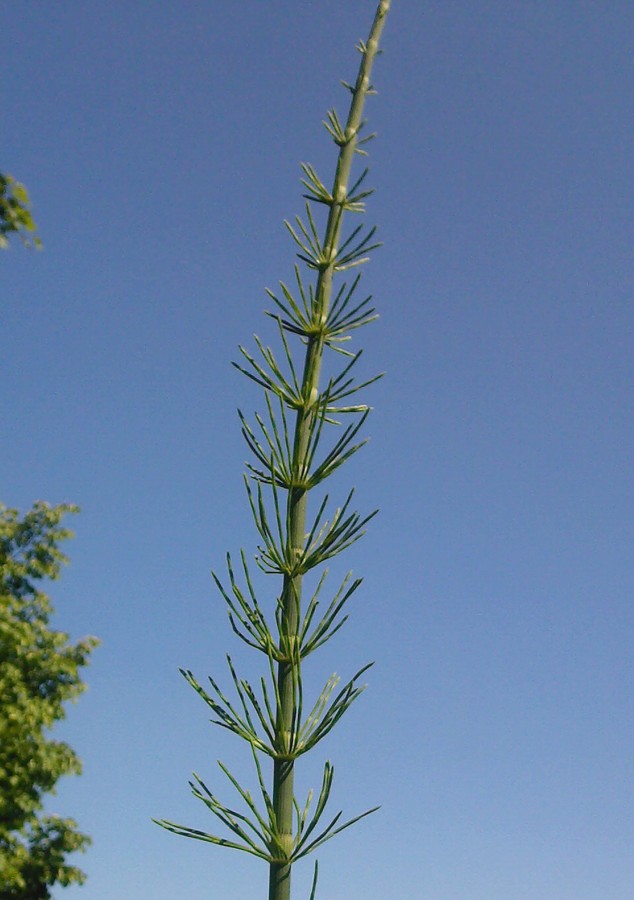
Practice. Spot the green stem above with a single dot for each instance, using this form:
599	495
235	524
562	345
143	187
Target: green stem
288	668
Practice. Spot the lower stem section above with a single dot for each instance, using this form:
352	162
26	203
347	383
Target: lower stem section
280	882
284	769
280	873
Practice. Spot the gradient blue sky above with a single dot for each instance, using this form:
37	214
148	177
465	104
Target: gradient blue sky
161	144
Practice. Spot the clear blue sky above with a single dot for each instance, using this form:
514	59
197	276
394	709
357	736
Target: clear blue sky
161	144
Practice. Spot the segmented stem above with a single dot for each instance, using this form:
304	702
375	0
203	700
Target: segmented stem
289	460
283	769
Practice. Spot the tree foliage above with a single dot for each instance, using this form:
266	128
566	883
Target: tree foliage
39	673
15	213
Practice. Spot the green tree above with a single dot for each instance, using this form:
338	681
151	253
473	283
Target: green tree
39	673
310	389
15	213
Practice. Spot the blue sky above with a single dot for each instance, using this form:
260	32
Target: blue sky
161	145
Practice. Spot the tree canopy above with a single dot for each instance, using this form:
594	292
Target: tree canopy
15	213
39	673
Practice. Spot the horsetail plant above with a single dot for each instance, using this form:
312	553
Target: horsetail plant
288	463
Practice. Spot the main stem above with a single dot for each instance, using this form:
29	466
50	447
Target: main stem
288	668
